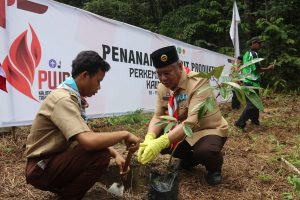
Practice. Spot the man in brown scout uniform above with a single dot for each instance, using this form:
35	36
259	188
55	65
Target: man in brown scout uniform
177	96
64	155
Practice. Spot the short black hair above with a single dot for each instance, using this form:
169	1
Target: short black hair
240	58
254	40
89	61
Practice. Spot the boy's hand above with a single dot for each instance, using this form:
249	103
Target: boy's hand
132	142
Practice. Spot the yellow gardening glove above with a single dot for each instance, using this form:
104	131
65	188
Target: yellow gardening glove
154	147
149	137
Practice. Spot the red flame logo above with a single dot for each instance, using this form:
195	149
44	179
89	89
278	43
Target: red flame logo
21	62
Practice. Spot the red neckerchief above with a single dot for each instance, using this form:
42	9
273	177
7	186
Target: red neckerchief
173	106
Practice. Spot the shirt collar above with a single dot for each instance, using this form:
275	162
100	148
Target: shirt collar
71	83
183	81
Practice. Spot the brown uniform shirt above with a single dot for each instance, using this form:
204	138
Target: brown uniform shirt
56	122
187	98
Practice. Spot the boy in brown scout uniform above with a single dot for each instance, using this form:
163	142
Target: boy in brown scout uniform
64	155
177	96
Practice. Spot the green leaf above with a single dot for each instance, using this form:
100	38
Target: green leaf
287	196
236	87
169	127
240	94
255	60
217	71
202	75
161	122
227	95
166	117
210	104
223	92
233	84
202	111
187	130
255	99
295	181
252	88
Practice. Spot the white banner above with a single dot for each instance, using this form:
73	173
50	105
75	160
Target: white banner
39	40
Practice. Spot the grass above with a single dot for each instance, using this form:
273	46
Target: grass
252	166
134	122
295	182
265	178
137	117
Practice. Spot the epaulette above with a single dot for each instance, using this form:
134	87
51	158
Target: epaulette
192	75
73	96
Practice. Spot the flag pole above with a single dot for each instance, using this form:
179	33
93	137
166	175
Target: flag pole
234	30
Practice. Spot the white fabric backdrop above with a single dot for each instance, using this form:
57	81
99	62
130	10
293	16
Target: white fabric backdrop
37	49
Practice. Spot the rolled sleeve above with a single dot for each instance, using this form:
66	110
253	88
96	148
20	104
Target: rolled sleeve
66	116
160	103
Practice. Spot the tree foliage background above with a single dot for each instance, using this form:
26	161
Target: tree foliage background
206	23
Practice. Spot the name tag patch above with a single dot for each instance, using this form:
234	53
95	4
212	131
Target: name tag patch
166	98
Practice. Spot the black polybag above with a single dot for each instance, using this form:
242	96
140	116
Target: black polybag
164	186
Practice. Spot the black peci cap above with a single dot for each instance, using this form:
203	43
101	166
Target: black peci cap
164	56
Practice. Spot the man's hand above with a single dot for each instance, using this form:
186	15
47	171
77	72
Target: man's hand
149	137
270	67
266	69
153	148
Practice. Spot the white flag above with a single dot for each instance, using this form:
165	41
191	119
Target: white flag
234	33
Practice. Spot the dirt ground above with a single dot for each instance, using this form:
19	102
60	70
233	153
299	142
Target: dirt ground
252	167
